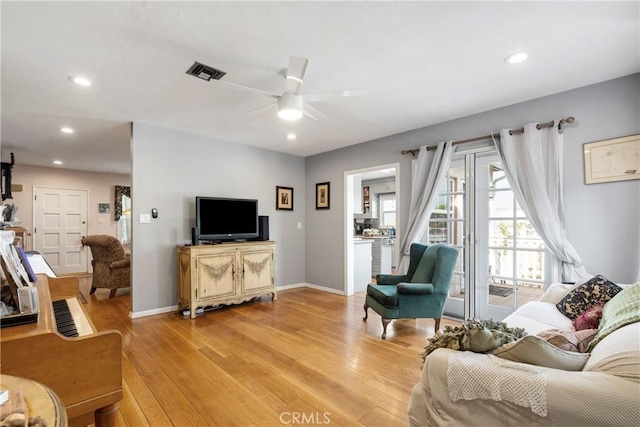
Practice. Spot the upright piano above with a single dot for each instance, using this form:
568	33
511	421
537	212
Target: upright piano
84	368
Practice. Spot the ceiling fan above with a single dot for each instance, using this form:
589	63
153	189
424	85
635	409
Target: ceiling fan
291	105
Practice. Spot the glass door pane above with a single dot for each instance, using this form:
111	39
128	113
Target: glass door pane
509	253
447	225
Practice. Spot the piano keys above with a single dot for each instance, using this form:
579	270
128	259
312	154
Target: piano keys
70	319
85	371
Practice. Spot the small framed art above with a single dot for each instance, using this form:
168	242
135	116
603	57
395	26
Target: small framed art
103	208
612	160
284	198
322	195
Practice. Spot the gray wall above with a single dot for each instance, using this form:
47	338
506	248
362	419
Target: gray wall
170	168
602	219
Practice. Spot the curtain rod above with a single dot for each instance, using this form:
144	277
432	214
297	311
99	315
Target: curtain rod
539	126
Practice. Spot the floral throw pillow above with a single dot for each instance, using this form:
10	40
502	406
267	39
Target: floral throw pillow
596	291
590	319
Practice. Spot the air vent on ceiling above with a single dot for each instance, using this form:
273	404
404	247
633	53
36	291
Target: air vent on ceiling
205	72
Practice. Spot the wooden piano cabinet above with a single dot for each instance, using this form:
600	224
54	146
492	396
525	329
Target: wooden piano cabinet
85	372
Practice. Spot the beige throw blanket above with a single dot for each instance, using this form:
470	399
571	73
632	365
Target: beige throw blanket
472	376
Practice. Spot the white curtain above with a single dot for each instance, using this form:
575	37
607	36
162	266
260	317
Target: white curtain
532	162
424	191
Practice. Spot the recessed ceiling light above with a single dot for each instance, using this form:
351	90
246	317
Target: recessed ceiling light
291	136
66	130
57	162
516	58
80	80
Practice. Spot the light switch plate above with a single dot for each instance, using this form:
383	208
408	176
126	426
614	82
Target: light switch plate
145	218
299	226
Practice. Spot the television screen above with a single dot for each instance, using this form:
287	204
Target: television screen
226	219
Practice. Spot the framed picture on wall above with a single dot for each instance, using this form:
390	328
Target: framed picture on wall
612	160
103	208
284	198
322	195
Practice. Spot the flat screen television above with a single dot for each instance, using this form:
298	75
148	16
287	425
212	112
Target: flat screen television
219	219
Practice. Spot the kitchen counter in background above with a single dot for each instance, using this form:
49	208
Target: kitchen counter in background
362	264
381	253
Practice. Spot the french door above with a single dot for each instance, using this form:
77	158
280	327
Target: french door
501	259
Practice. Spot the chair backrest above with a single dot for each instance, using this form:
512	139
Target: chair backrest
432	264
104	249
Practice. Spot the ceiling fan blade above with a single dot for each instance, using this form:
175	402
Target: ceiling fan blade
262	109
295	74
313	113
323	96
251	89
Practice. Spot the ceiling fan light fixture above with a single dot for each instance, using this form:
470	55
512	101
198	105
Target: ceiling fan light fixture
289	114
290	107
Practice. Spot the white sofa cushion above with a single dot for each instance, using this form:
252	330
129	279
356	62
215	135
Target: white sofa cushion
555	292
538	316
618	353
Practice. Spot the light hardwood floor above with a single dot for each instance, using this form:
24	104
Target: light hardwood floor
307	357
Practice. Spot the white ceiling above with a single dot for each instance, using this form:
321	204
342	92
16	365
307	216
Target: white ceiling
421	63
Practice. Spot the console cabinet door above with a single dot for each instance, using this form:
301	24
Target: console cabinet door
216	275
257	270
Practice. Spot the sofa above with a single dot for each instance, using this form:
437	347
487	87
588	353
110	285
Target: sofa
600	387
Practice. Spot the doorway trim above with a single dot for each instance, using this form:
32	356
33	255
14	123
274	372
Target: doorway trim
348	217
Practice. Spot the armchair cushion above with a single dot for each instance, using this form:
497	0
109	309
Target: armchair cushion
385	294
415	288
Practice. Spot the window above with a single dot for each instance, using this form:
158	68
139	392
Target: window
387	210
123	226
516	251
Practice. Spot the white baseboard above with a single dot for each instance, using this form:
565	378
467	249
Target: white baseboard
310	285
324	289
153	312
279	288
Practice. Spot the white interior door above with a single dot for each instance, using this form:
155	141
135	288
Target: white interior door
60	218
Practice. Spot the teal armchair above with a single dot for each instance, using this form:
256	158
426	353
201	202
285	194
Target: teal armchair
420	293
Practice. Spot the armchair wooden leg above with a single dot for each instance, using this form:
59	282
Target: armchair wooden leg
437	323
113	292
366	312
385	322
92	291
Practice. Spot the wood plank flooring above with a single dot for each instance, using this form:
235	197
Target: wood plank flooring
305	359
